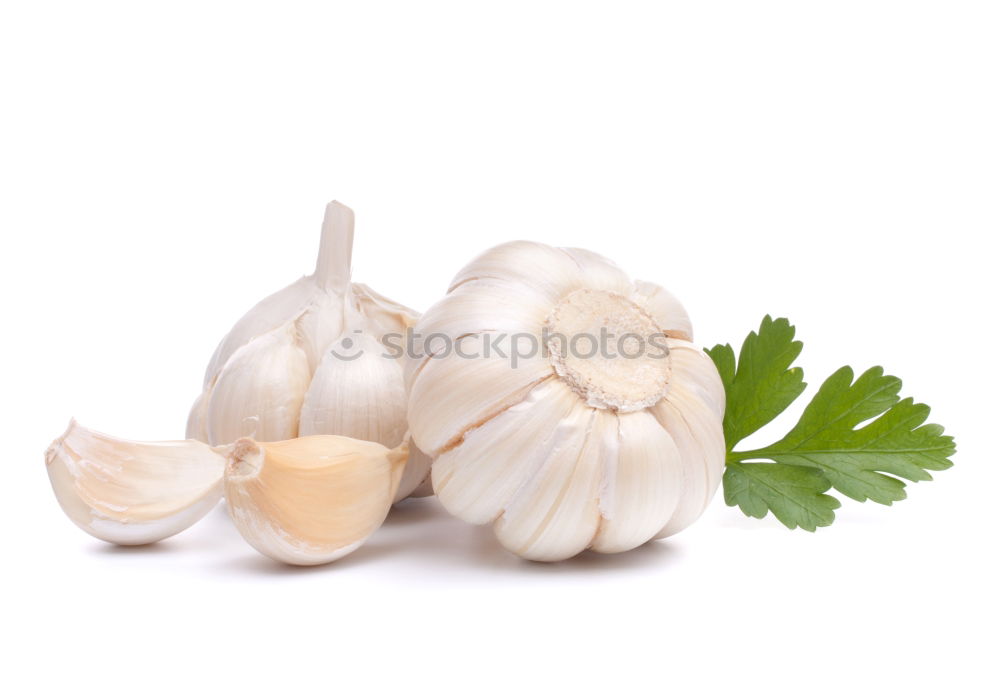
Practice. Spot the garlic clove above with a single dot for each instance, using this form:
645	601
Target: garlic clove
259	392
319	325
692	414
313	499
546	270
669	313
641	486
195	429
357	392
416	480
479	477
555	514
264	317
600	273
132	493
481	306
695	429
694	370
441	405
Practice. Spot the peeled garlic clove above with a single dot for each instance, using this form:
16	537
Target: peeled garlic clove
260	390
132	493
310	500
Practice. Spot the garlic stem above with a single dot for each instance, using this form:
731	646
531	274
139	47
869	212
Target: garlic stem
333	264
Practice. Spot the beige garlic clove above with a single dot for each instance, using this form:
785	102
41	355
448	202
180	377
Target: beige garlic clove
313	499
132	493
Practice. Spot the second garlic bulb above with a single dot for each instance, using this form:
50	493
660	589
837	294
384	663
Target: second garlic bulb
308	360
559	447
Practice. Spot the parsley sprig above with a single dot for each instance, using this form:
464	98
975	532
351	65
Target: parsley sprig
826	449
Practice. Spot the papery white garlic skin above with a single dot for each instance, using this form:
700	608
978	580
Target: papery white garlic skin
310	500
286	368
561	453
132	493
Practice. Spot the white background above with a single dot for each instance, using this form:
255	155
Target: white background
164	167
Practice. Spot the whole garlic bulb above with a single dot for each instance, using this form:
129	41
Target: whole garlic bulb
308	360
560	451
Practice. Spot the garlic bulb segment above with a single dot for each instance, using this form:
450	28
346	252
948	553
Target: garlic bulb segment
311	500
311	359
607	434
132	493
260	390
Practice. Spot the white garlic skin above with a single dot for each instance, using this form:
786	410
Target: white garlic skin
130	493
275	376
563	456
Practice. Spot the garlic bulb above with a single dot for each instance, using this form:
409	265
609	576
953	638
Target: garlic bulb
308	360
129	492
559	448
310	500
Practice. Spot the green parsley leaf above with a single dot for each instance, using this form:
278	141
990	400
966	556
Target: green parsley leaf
764	384
829	446
795	494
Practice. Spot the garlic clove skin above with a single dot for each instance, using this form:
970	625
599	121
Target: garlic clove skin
196	429
132	493
310	500
384	315
665	308
479	478
264	317
557	513
356	392
548	272
442	406
259	392
641	487
416	479
600	273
